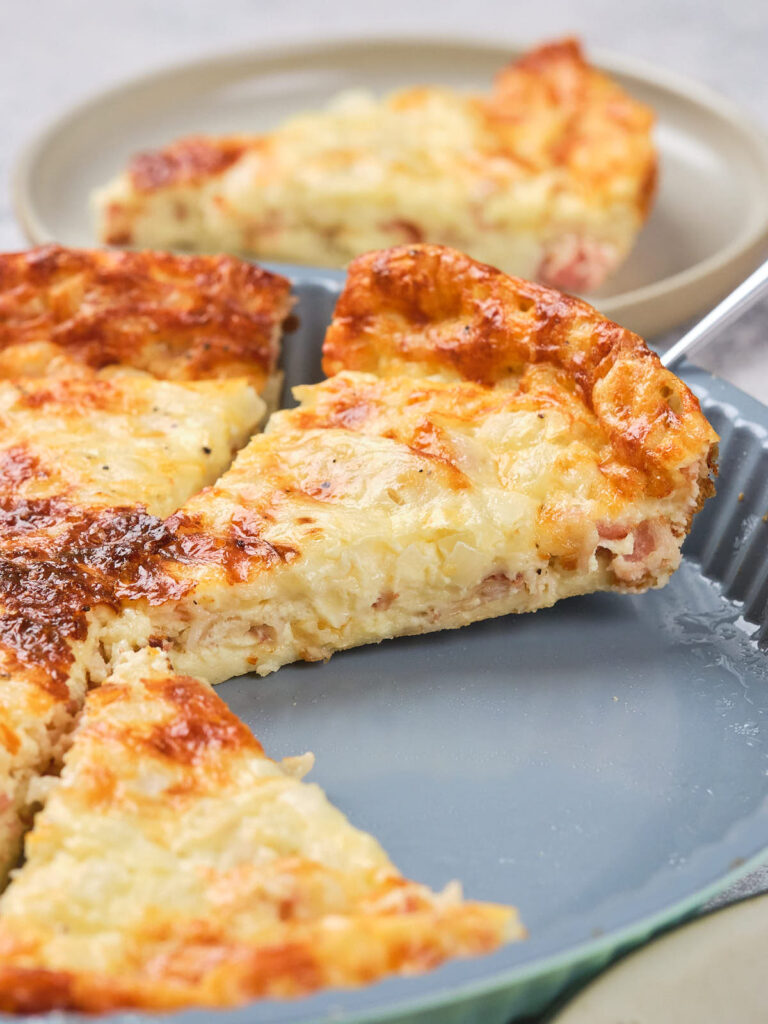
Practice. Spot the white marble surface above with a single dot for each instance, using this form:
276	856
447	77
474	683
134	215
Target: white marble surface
55	53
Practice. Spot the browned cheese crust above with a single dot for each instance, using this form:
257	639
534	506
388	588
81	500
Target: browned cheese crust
188	160
574	117
177	317
433	312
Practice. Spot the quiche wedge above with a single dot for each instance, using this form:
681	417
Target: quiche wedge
175	864
66	312
484	446
549	175
89	466
127	381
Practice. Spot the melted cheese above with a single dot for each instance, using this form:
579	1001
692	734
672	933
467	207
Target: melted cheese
120	440
485	446
175	864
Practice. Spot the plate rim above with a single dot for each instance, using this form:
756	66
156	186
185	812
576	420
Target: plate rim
556	1014
730	260
622	943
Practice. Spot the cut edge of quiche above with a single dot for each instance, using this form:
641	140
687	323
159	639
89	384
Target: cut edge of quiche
174	864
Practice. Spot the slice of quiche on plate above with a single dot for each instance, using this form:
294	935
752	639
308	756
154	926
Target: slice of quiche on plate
174	864
484	446
550	175
88	466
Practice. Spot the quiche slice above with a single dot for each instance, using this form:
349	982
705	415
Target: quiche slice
88	468
69	311
549	175
510	448
175	864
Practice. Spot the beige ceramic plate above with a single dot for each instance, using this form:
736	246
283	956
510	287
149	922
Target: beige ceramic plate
707	231
712	971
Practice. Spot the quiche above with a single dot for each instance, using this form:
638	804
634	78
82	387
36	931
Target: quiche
175	864
550	175
88	468
68	311
96	449
483	446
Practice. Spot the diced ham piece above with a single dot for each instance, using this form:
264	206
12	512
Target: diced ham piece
655	547
576	264
498	585
646	538
612	531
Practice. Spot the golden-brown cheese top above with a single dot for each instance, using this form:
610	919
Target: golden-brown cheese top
186	728
549	111
177	317
64	560
87	469
428	310
189	160
175	864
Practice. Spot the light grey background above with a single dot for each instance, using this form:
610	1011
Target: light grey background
55	53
